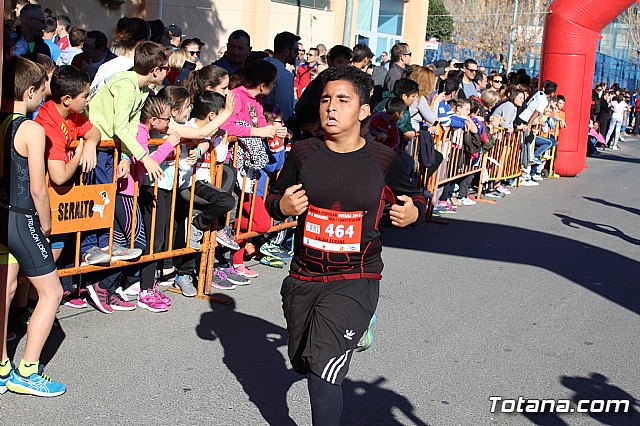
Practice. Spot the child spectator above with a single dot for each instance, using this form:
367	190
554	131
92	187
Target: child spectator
407	90
383	126
25	215
210	201
471	147
273	253
115	111
210	77
49	66
62	119
49	32
62	32
155	115
76	42
249	124
543	142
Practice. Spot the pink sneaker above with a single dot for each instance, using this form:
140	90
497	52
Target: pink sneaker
148	299
244	271
503	189
117	303
73	301
161	296
100	298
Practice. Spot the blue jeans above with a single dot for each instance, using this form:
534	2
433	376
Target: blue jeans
615	125
542	144
103	173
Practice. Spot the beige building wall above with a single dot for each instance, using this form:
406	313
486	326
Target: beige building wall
213	20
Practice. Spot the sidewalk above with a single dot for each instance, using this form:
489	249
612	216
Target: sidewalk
536	296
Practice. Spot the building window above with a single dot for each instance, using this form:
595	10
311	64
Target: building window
379	24
313	4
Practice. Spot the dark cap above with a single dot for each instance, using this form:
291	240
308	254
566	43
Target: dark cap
441	63
175	31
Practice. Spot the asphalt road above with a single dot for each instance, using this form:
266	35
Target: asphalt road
536	296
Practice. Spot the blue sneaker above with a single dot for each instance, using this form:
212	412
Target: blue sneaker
3	383
36	384
366	340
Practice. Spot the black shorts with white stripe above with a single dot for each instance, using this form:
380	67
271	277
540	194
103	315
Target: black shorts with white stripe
325	320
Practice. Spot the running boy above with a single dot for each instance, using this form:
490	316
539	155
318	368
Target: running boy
25	216
335	189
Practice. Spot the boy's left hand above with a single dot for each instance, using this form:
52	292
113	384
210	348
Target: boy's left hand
124	168
404	215
88	158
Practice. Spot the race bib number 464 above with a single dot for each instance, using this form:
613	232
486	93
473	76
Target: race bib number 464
333	231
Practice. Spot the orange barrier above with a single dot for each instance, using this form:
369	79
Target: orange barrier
503	160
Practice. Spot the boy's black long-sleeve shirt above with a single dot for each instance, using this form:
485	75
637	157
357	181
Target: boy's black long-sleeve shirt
355	184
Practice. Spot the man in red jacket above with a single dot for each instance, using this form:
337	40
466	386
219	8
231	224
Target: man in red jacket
303	74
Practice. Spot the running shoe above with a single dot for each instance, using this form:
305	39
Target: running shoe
163	297
185	284
148	299
195	238
537	177
234	277
73	300
224	237
494	194
503	189
466	201
245	272
367	338
272	261
529	182
275	250
37	384
221	282
117	303
457	202
124	253
95	256
100	298
133	290
3	383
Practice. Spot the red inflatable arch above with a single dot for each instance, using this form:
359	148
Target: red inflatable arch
569	49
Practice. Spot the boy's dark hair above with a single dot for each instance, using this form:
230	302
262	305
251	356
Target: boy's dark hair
48	12
406	87
284	40
255	55
64	20
361	52
44	60
175	96
129	32
549	87
18	74
68	81
451	85
50	25
452	103
360	80
271	112
562	98
188	41
395	105
315	49
77	36
258	72
149	55
240	34
207	102
340	51
99	38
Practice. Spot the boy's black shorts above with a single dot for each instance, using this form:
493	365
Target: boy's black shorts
325	320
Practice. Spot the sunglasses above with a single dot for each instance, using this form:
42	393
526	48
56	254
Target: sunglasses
471	70
497	81
165	119
406	54
195	52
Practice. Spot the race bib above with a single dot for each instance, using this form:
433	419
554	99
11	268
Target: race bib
333	231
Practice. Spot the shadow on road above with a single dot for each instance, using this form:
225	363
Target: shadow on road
600	227
251	353
51	346
617	206
594	388
609	274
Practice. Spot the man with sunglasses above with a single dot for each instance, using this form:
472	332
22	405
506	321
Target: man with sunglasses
32	25
401	58
468	86
303	73
496	82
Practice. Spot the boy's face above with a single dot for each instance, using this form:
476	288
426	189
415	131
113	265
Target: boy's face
408	100
158	74
464	110
79	103
395	116
340	109
560	104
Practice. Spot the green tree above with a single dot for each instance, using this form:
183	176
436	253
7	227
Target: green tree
439	21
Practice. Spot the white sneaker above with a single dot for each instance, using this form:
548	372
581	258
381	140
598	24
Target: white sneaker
529	183
615	148
131	293
466	201
537	178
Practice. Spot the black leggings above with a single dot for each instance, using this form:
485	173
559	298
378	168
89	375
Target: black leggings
161	237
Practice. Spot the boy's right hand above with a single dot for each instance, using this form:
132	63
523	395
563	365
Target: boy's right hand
154	170
174	139
294	201
230	104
